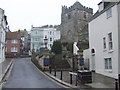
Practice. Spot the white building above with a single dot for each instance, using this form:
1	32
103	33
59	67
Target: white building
104	40
39	34
3	29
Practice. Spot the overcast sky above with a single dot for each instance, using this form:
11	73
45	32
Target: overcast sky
21	14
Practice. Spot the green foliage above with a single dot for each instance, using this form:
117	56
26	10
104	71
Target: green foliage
57	47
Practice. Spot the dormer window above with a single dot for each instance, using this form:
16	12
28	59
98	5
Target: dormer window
109	13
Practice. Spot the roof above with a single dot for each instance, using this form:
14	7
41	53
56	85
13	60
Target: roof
12	35
111	4
42	28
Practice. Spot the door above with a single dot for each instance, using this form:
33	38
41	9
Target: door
93	62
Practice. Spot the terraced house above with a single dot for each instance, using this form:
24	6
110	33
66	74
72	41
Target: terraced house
104	39
42	37
13	43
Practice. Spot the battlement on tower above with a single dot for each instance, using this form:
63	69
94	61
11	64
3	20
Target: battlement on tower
76	6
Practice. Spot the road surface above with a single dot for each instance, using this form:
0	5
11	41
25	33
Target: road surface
25	75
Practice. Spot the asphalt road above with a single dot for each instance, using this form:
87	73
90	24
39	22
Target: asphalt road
25	75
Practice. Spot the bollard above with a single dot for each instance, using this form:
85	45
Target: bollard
50	69
70	78
119	80
116	84
55	71
76	81
61	75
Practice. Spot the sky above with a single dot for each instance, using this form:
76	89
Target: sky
21	14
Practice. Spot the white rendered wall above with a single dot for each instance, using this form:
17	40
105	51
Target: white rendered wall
99	28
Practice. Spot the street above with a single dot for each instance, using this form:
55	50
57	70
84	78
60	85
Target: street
25	75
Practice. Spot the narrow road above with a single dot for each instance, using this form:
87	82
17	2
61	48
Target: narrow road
25	75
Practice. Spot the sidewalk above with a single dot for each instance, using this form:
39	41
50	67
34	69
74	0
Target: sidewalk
5	67
99	81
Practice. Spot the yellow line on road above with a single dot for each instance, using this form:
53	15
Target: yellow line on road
49	77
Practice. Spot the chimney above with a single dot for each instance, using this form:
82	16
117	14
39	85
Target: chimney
102	5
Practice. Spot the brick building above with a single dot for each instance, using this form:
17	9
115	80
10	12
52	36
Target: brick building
13	43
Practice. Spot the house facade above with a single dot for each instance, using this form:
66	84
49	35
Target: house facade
24	36
104	40
13	43
40	34
3	29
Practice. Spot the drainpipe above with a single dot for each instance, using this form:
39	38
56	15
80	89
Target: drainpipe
118	7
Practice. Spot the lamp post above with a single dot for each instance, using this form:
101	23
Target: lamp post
80	58
45	42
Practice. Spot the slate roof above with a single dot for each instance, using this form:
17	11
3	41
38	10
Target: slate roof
111	4
12	35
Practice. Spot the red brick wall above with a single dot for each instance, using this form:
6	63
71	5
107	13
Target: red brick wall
9	45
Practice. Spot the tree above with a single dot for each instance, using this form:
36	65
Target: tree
57	47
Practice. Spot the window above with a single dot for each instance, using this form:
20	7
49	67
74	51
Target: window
36	39
14	41
6	49
85	15
108	63
104	43
109	13
13	49
36	32
50	45
50	39
69	16
50	32
45	36
110	41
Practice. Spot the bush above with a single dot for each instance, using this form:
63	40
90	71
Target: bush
57	47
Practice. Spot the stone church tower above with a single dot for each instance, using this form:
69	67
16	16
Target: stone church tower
74	22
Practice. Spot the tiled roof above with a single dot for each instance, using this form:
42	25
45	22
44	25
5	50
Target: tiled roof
12	35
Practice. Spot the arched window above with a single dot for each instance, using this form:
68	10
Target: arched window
93	51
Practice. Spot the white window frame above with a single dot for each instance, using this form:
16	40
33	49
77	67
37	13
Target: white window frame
108	63
14	41
110	42
14	49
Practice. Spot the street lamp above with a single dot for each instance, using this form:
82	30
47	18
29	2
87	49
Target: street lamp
45	42
80	59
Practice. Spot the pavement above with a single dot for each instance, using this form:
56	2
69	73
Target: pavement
5	67
99	81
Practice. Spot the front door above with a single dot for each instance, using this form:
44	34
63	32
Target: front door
93	62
